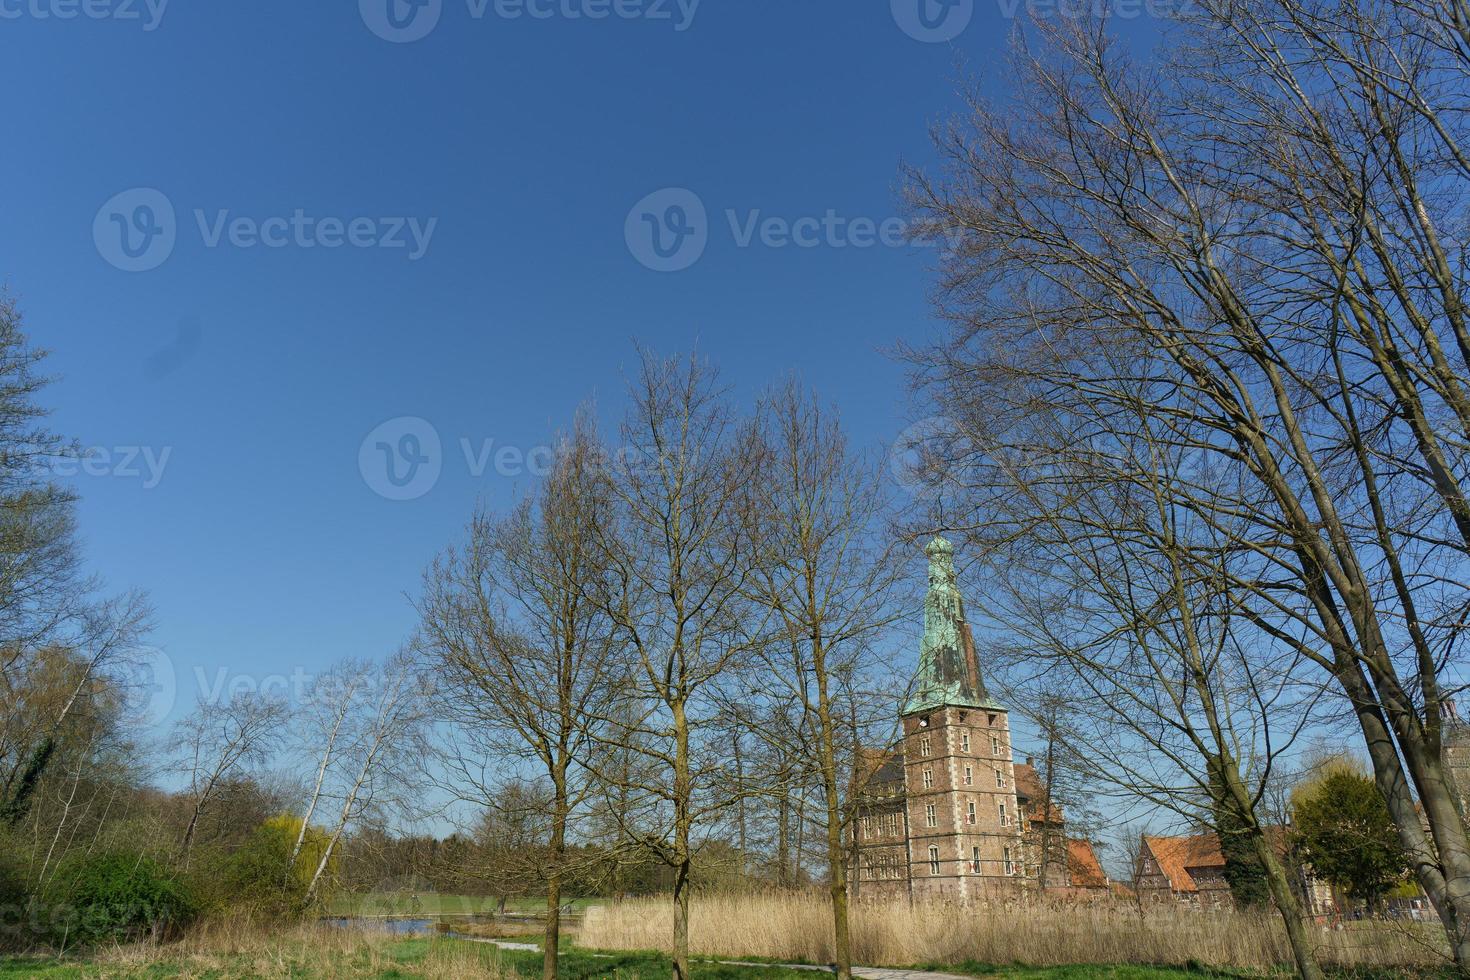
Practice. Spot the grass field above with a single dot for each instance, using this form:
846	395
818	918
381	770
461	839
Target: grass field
303	957
350	955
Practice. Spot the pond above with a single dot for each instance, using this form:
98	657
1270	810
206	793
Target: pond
394	927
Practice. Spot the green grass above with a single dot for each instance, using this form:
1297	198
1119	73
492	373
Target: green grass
417	958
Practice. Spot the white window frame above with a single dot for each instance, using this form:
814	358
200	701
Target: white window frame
931	815
928	778
1000	779
964	741
1005	821
1009	864
969	776
975	859
970	812
933	860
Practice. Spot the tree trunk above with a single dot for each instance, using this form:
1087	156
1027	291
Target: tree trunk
683	817
836	858
552	946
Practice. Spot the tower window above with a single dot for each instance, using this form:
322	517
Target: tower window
969	776
964	741
1005	821
928	778
933	860
970	814
1010	868
924	744
931	817
994	745
1000	778
975	860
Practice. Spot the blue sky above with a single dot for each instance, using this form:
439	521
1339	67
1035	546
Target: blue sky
490	174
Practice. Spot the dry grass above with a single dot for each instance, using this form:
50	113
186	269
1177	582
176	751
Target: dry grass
225	950
798	927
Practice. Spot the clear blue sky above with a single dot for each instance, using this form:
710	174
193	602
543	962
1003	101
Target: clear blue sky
528	142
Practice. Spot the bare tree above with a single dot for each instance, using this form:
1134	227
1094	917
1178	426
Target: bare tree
219	741
677	562
384	752
1257	232
526	656
827	574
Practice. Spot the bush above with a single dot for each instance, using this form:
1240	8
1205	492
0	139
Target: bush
118	896
14	903
258	880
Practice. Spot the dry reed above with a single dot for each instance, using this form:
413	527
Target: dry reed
798	927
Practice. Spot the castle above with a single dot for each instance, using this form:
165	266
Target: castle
947	812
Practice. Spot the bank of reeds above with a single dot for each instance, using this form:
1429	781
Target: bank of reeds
225	951
798	927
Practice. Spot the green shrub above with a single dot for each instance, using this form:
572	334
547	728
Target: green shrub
257	878
14	905
118	896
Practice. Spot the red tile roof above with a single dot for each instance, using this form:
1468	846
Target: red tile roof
1083	867
1176	855
1030	789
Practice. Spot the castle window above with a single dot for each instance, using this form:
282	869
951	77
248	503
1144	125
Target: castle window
964	741
969	776
931	817
991	720
867	827
975	860
933	860
923	744
1005	821
994	745
928	778
970	815
1010	868
1000	778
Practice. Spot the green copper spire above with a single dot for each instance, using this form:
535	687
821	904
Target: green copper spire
949	671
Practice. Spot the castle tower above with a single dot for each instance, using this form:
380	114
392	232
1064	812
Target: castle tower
964	833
